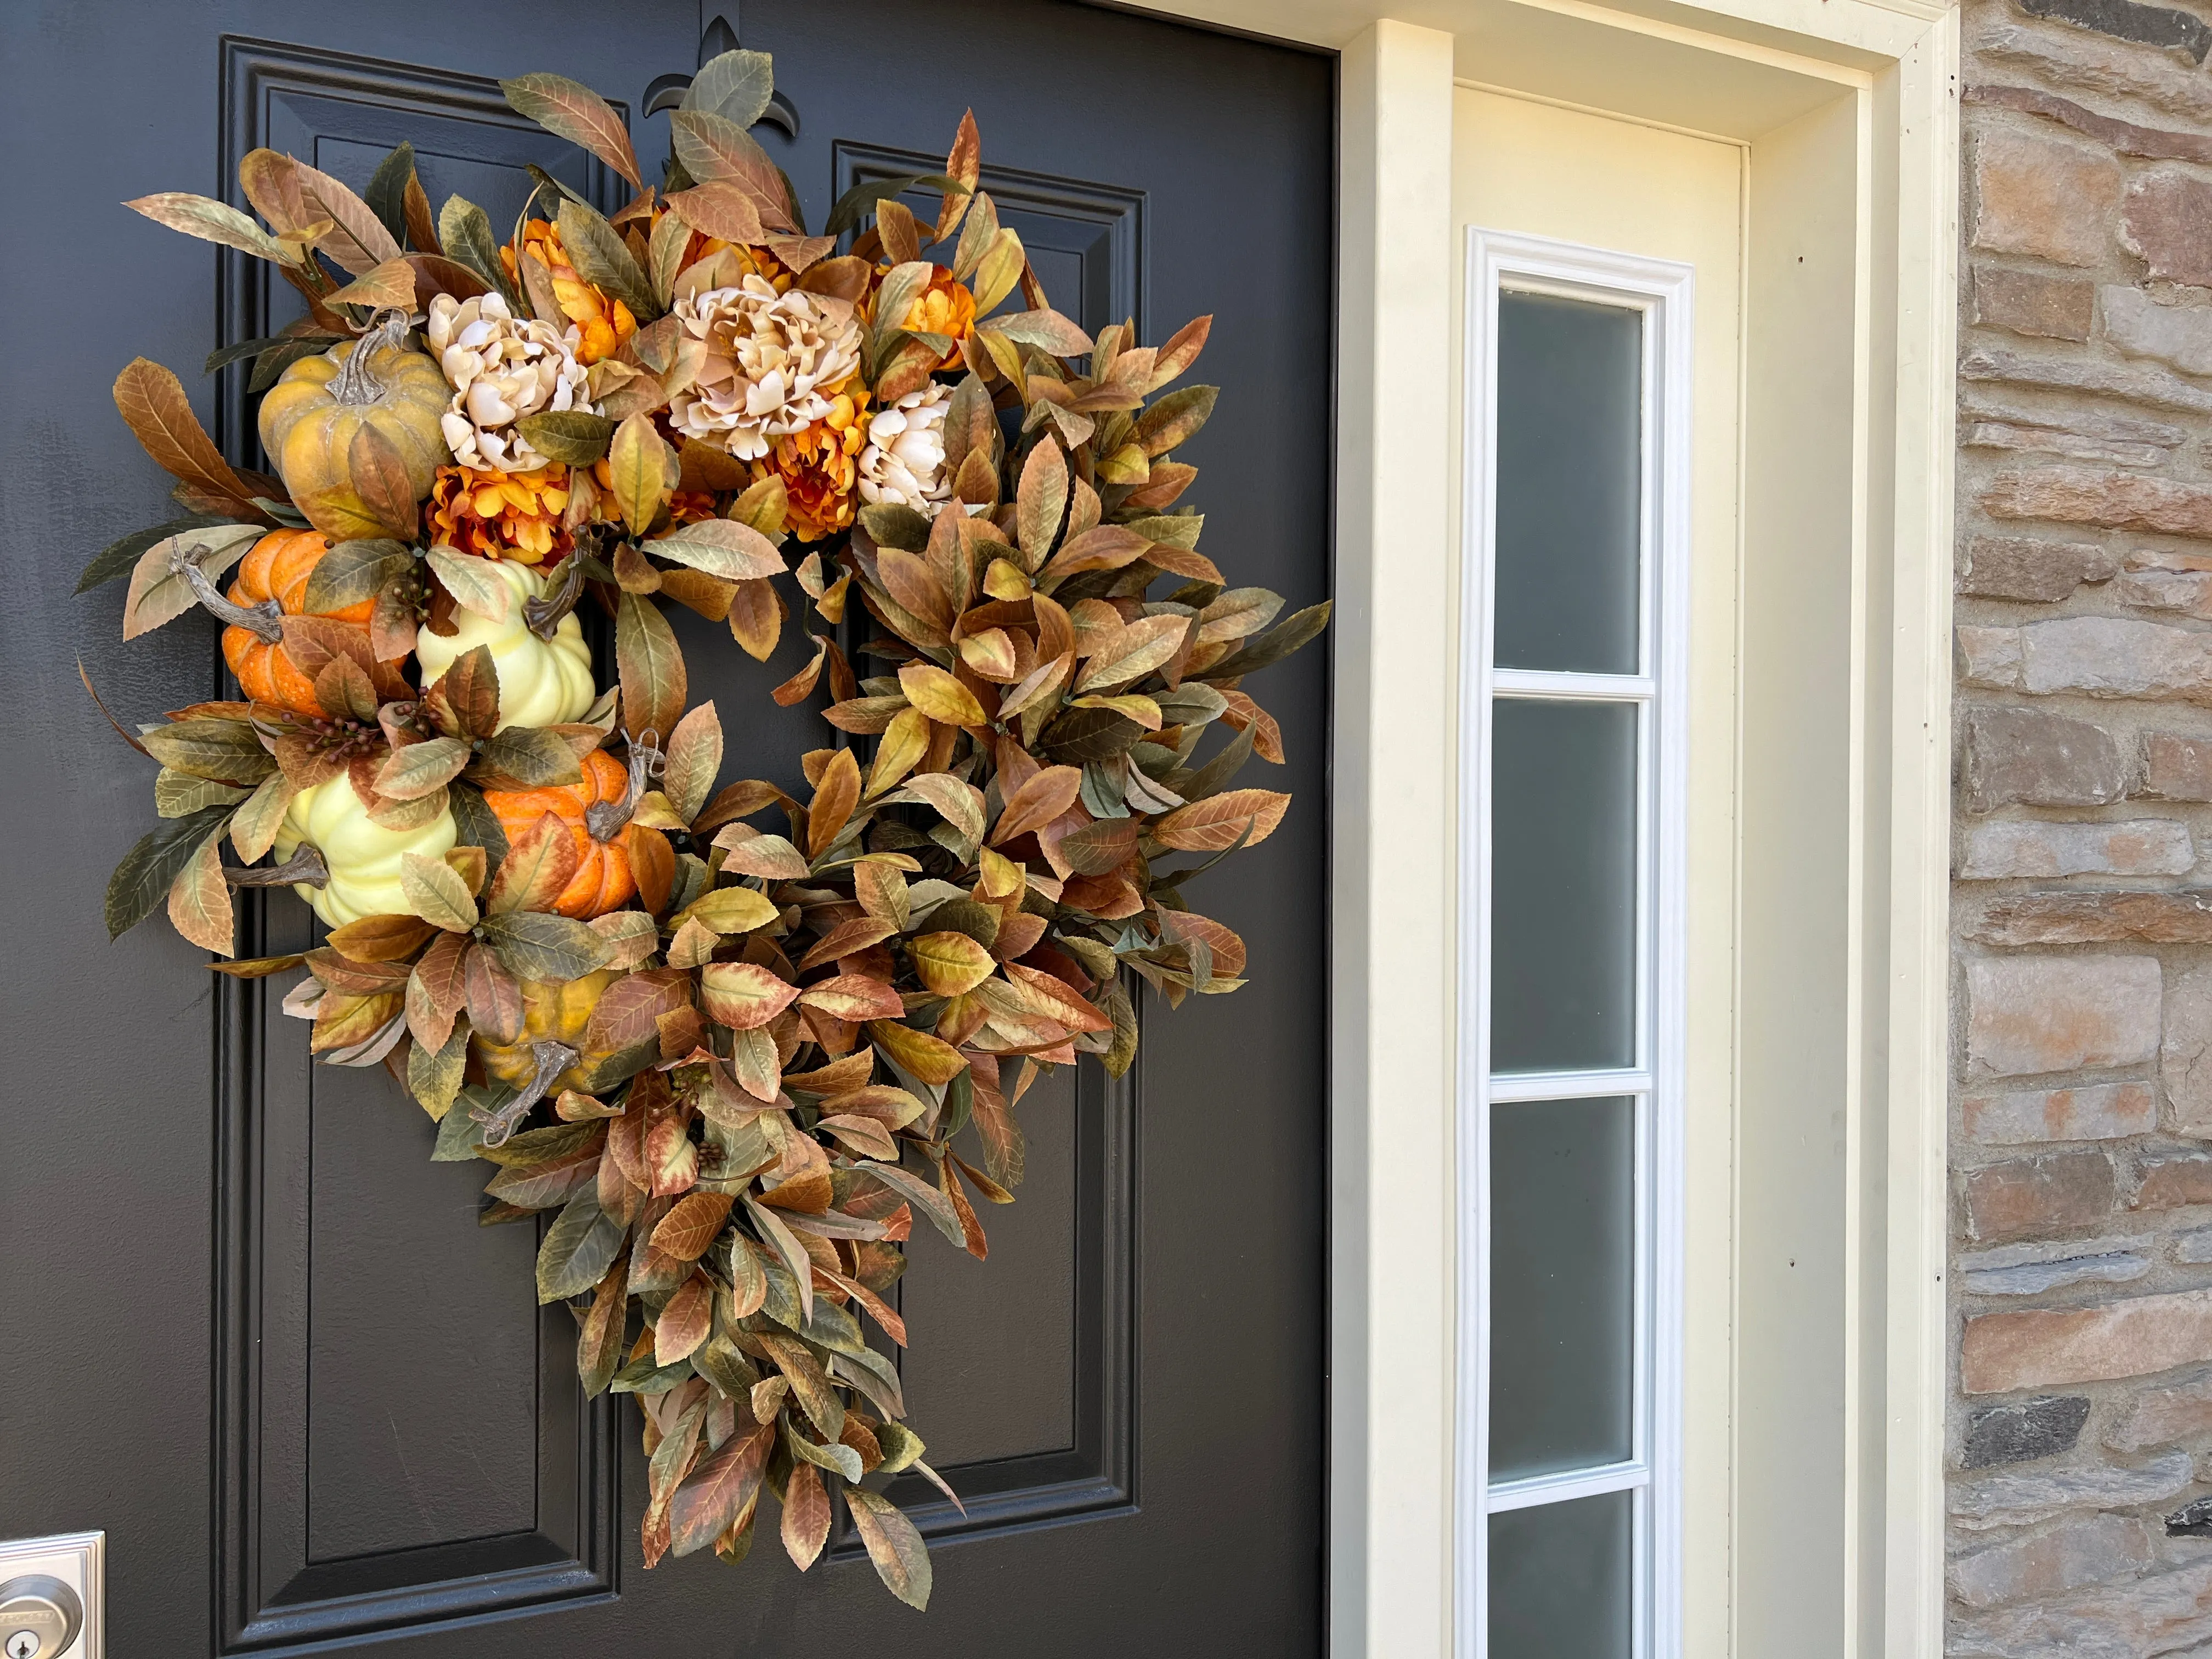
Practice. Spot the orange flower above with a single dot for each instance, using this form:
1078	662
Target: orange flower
819	465
500	515
602	323
754	261
945	307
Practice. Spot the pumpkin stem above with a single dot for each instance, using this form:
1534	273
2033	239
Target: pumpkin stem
263	619
544	615
605	819
305	868
357	383
552	1059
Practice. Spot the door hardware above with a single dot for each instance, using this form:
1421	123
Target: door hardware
667	90
41	1616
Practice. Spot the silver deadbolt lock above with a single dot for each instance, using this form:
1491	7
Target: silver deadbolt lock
39	1617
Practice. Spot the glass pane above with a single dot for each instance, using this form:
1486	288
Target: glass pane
1563	886
1561	1578
1570	484
1562	1285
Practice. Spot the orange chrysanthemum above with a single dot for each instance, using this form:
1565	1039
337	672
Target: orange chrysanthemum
819	465
945	307
603	323
500	515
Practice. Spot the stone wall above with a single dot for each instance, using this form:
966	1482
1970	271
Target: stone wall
2081	1125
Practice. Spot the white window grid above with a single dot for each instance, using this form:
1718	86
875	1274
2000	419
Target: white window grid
1662	291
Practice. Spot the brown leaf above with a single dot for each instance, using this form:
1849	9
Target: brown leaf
153	404
756	617
939	695
926	1057
684	1322
965	164
719	1489
1213	825
539	864
853	998
1044	797
574	112
744	995
800	686
199	898
901	1559
380	938
654	687
719	208
835	798
494	996
806	1514
686	1230
357	240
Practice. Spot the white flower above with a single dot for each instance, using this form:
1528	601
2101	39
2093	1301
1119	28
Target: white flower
904	464
773	364
501	369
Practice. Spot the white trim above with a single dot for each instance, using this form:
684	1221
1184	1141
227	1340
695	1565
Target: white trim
1566	1488
1522	1086
1664	291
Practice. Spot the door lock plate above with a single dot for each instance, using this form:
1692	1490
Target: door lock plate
53	1595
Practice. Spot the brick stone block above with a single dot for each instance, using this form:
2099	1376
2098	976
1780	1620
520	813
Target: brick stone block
2032	1014
2140	326
2029	302
2185	1053
2189	591
2023	756
2084	1550
2023	1430
2095	917
2167	224
2027	847
2177	766
2164	1613
2100	1111
2090	657
2023	1499
2026	568
2056	1192
2043	198
2173	1181
2038	1277
2161	1417
2111	501
2048	1348
2138	383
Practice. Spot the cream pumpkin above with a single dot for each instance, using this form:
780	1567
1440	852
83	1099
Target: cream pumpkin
363	857
541	682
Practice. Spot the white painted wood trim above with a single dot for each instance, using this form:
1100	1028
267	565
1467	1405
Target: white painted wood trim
1664	291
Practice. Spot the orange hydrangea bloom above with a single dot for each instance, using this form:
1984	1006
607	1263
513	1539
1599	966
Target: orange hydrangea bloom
602	323
820	465
500	515
945	307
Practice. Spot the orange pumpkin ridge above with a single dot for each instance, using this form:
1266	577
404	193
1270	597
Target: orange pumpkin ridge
278	568
603	880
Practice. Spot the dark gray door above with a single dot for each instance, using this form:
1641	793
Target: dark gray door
250	1330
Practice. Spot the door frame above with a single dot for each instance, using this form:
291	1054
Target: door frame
1737	69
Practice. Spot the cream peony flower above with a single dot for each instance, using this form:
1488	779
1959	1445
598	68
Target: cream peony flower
904	464
773	364
501	369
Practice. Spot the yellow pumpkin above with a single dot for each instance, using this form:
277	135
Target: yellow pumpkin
310	416
555	1012
362	856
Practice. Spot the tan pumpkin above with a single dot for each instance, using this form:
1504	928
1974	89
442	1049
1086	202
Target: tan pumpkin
558	1013
310	417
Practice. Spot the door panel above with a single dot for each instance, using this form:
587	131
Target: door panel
307	1396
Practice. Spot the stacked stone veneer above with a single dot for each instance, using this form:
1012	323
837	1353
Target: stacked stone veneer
2080	1429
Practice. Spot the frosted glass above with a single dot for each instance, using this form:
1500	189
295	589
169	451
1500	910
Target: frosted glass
1563	885
1570	485
1561	1578
1562	1285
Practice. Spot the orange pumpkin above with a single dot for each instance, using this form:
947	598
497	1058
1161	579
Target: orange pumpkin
603	879
278	568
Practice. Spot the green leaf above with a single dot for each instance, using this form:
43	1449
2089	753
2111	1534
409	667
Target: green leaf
1275	644
1047	329
531	755
434	1079
436	891
655	686
1174	418
117	558
575	112
574	437
474	823
177	794
602	259
856	204
836	1457
272	362
735	86
536	945
422	769
225	751
387	194
923	1197
211	221
353	571
466	230
460	1132
901	1559
895	525
578	1249
471	582
141	881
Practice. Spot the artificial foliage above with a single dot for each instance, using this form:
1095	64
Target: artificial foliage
731	1045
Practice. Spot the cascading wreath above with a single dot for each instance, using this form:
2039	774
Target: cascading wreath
736	1063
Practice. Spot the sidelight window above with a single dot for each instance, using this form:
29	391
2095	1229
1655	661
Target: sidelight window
1576	517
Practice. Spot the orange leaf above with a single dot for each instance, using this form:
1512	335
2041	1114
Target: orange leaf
1042	798
153	404
1213	825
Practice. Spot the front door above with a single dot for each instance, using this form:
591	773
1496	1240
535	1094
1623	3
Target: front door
259	1338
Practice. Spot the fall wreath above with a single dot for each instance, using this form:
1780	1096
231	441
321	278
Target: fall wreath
734	1063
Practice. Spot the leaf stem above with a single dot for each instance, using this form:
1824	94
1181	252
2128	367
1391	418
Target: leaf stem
305	868
263	619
